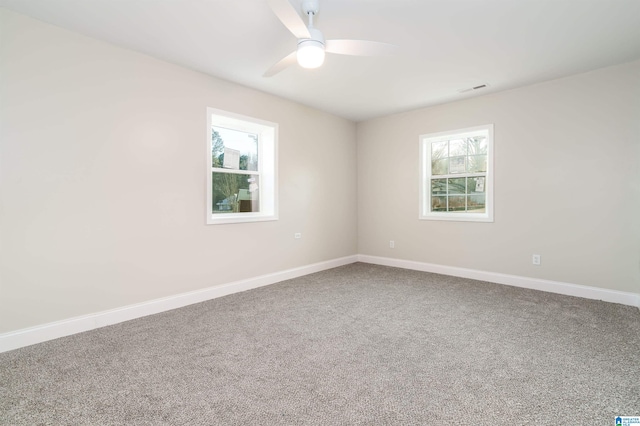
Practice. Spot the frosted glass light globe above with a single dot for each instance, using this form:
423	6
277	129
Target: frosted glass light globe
310	54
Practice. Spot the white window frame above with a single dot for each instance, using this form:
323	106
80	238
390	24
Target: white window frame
425	175
267	166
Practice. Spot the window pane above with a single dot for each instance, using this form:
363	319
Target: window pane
439	167
235	193
241	149
457	165
477	163
457	203
438	204
475	184
457	147
457	186
477	145
476	203
439	150
439	186
439	161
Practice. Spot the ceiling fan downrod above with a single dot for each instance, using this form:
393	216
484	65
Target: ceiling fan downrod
310	53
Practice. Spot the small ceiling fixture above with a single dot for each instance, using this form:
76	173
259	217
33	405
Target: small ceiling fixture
311	43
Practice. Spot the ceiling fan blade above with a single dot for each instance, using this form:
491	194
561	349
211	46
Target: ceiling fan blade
360	48
289	17
283	63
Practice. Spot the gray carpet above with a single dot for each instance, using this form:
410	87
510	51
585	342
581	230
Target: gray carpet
356	345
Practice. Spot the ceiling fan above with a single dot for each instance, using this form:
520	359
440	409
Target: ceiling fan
311	43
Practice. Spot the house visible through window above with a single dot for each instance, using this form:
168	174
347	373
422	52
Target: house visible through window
241	159
456	175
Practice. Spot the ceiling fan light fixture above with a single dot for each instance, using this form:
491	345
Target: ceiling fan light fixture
310	53
312	45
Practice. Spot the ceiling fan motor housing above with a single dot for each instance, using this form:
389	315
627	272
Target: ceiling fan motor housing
316	36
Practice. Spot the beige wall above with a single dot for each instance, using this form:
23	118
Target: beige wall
102	181
102	174
567	183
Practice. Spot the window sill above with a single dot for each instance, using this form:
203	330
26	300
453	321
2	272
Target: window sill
222	218
457	217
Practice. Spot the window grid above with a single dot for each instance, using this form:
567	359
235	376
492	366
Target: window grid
456	181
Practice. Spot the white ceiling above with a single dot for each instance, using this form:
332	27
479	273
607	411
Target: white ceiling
445	45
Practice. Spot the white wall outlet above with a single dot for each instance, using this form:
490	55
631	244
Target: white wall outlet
297	235
536	259
392	244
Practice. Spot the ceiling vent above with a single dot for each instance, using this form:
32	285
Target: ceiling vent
482	86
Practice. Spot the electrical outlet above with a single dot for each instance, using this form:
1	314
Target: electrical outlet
297	235
392	244
536	259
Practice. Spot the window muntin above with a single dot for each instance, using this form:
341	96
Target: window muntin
456	175
241	163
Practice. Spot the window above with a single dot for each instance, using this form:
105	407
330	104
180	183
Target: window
241	164
456	169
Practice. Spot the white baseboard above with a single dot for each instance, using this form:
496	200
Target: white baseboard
42	333
613	296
